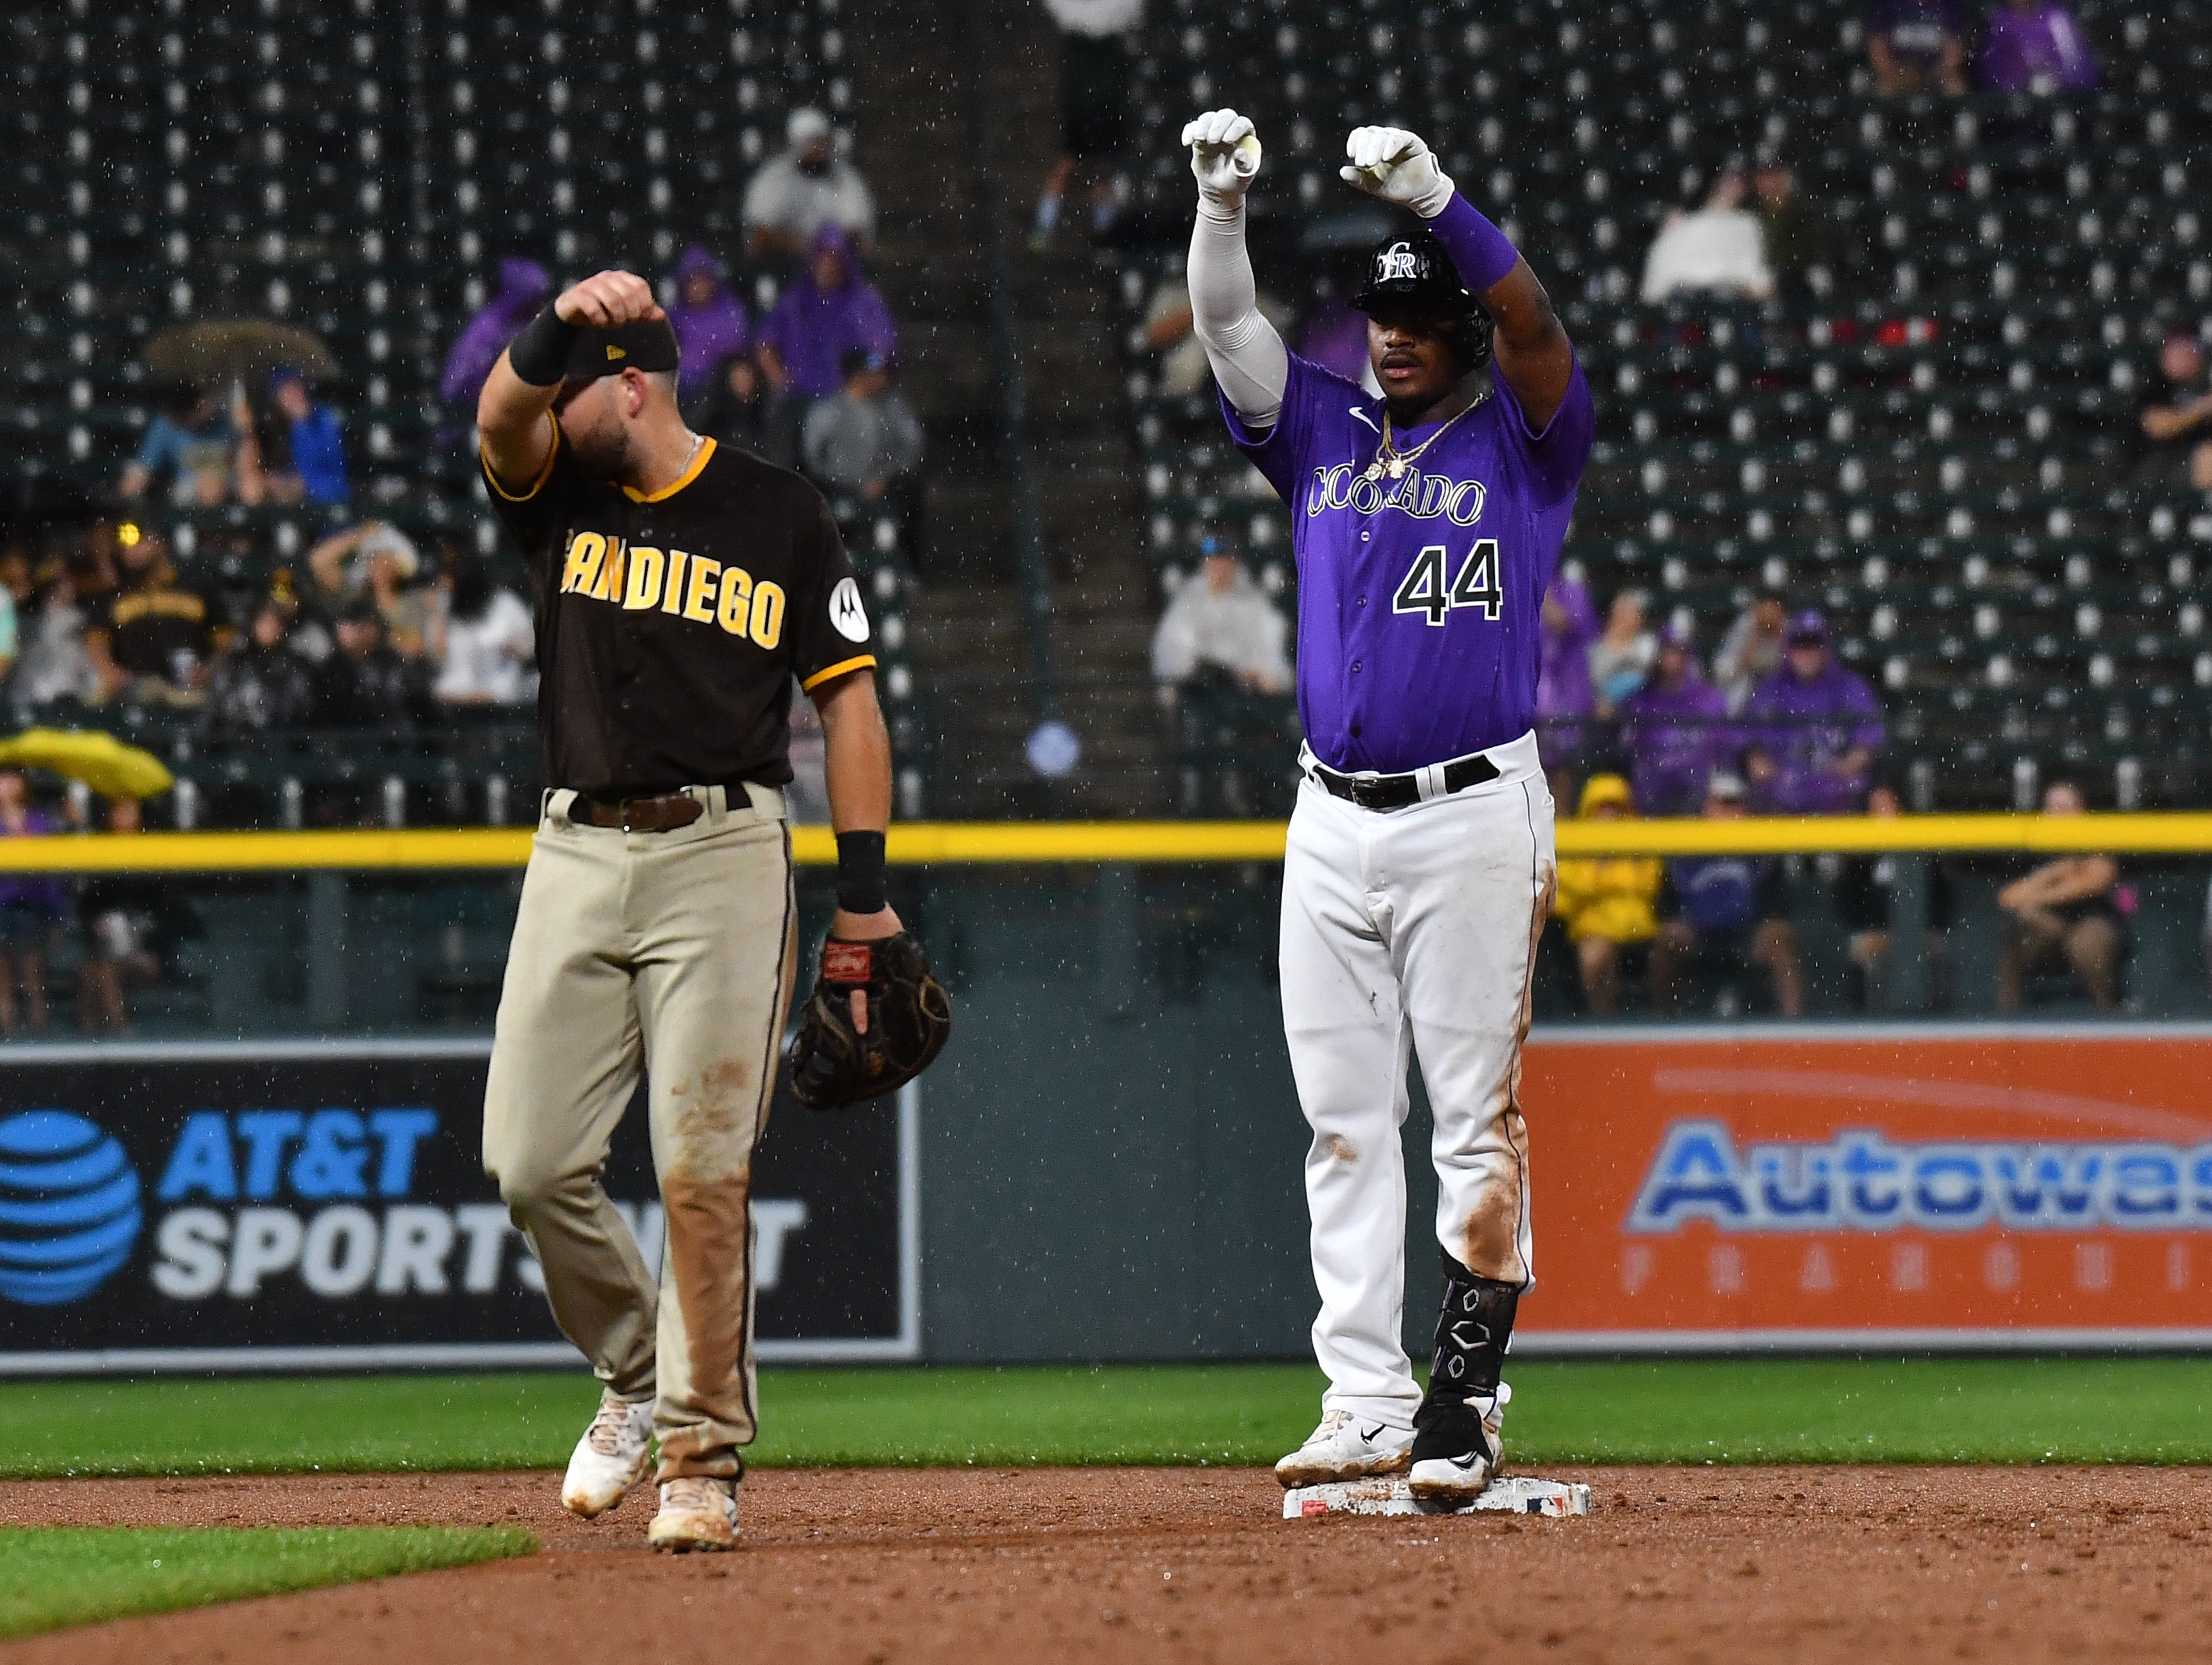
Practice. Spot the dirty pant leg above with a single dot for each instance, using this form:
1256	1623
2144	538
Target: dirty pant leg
715	954
1471	878
564	1064
1348	1051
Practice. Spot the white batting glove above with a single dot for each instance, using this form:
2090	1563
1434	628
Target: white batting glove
1224	156
1393	164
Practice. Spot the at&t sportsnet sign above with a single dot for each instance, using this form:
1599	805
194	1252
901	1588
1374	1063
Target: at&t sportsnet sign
1917	1187
302	1205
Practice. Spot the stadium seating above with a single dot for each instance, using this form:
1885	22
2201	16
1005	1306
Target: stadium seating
1932	439
359	168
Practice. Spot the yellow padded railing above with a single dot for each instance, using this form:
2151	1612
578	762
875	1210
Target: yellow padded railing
957	843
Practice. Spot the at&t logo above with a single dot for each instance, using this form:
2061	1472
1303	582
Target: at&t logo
69	1207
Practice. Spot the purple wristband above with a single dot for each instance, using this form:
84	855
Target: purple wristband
1477	248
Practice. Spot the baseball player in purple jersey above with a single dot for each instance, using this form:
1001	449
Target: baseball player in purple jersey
1419	871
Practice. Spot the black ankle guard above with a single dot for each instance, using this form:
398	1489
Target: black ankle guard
1472	1331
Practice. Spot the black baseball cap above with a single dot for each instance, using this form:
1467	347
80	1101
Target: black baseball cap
648	344
1413	266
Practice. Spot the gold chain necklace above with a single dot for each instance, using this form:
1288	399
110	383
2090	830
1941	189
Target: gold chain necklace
1388	457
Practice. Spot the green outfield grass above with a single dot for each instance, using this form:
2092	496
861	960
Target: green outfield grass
1979	1410
51	1577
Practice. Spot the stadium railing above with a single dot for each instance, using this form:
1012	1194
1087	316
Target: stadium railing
405	931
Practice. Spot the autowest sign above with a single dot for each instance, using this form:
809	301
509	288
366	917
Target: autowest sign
1855	1187
311	1205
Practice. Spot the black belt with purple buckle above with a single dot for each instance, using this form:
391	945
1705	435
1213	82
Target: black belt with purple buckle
1395	792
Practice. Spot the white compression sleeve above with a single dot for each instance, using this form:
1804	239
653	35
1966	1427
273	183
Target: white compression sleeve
1248	358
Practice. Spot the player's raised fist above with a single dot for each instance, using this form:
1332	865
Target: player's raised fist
1393	164
1225	155
607	298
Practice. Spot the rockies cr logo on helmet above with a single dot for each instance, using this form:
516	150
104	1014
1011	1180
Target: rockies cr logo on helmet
1397	264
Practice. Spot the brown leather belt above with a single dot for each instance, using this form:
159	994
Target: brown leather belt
664	813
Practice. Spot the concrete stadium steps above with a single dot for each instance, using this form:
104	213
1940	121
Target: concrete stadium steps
971	650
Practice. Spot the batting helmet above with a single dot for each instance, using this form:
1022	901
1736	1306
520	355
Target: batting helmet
1415	267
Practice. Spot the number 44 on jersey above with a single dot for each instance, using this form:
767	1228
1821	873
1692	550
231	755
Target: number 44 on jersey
1426	591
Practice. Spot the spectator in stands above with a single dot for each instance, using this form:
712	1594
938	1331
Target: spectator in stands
2036	47
1863	888
805	188
827	311
2178	423
865	442
310	466
14	601
32	908
1726	914
367	684
98	568
1094	104
1790	233
1714	250
1605	903
1752	650
806	799
191	447
54	665
1812	729
709	321
131	924
1918	46
735	408
1170	331
1621	656
261	684
482	640
2069	909
1568	626
158	634
376	559
1674	730
1220	627
523	286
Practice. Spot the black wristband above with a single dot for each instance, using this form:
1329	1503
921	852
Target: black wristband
860	872
539	355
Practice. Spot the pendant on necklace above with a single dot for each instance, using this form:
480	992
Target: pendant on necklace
1397	468
1374	471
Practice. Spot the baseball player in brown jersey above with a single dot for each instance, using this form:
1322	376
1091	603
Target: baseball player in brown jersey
680	586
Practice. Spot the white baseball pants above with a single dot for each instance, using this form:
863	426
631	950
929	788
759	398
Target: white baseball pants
1412	928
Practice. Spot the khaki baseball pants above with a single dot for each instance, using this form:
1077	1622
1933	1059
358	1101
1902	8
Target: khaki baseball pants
670	952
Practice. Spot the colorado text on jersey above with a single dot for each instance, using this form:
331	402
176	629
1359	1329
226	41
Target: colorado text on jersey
1422	497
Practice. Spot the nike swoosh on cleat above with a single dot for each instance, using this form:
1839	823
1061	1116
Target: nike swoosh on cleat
1369	1434
1465	1462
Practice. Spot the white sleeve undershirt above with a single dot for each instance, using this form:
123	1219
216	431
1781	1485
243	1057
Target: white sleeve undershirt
1248	358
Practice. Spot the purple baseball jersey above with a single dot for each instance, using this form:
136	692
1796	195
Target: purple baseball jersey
1419	598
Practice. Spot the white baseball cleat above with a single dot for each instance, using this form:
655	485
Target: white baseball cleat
1460	1448
696	1512
610	1458
1345	1447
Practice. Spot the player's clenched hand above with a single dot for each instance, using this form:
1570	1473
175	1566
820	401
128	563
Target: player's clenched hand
607	299
1225	155
1393	164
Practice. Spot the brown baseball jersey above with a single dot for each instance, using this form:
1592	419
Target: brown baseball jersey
671	624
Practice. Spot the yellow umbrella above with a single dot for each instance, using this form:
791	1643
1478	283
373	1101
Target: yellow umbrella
218	350
100	760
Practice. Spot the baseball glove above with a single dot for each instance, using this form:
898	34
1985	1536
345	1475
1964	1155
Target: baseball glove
909	1017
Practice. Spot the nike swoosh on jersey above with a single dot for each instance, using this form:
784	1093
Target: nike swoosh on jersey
1363	416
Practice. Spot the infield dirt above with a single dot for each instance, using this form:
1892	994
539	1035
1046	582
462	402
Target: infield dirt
981	1566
